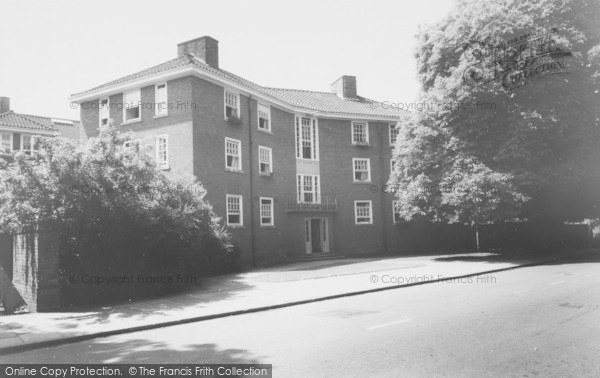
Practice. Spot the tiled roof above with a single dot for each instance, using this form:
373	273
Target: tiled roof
20	121
72	131
182	61
325	102
65	128
332	103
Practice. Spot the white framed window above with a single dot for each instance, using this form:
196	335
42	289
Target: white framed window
361	169
161	100
307	140
360	133
103	111
396	212
233	154
235	211
6	142
265	160
26	144
363	212
162	151
264	117
393	133
232	104
392	165
308	189
266	211
132	106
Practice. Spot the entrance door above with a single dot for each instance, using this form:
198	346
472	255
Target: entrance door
317	235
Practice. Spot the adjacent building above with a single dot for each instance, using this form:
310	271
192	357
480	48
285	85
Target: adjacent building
17	129
291	172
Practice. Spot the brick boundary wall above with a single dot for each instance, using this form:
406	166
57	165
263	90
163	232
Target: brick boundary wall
422	237
6	255
36	269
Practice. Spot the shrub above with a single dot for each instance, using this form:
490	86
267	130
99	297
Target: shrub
116	213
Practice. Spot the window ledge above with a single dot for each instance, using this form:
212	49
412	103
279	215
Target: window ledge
233	170
361	144
235	226
266	175
265	131
362	182
160	116
131	121
267	226
363	224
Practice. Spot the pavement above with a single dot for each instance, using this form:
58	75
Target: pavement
254	291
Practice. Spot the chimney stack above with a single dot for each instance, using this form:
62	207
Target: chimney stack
4	104
345	87
205	48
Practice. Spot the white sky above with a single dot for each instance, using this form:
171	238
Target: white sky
52	49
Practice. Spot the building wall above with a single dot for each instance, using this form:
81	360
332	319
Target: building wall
89	115
336	153
210	131
197	129
274	242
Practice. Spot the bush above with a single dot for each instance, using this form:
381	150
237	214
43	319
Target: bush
116	213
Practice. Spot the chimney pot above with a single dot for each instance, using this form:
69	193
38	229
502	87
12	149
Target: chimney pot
4	104
205	48
345	87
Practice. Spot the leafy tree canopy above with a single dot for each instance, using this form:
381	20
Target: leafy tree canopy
511	120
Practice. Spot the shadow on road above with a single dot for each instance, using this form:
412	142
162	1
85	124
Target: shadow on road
543	258
141	351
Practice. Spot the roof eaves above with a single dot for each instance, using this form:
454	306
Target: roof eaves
267	92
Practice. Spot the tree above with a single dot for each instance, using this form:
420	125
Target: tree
437	181
495	141
116	213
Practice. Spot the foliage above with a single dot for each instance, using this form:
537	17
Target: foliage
116	213
484	152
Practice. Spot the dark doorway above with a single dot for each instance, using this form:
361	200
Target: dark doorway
317	240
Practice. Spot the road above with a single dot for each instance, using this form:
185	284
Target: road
542	320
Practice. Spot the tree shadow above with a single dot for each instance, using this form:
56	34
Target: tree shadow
528	257
75	320
143	351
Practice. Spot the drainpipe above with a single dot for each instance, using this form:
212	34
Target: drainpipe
251	171
383	184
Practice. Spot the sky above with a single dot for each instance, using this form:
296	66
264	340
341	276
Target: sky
52	49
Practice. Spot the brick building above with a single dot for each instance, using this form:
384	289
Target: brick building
291	172
17	129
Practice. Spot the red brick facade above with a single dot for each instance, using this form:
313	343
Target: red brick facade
197	127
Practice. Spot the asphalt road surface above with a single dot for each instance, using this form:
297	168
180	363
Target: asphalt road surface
542	320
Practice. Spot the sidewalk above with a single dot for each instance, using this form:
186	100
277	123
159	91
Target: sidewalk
254	291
